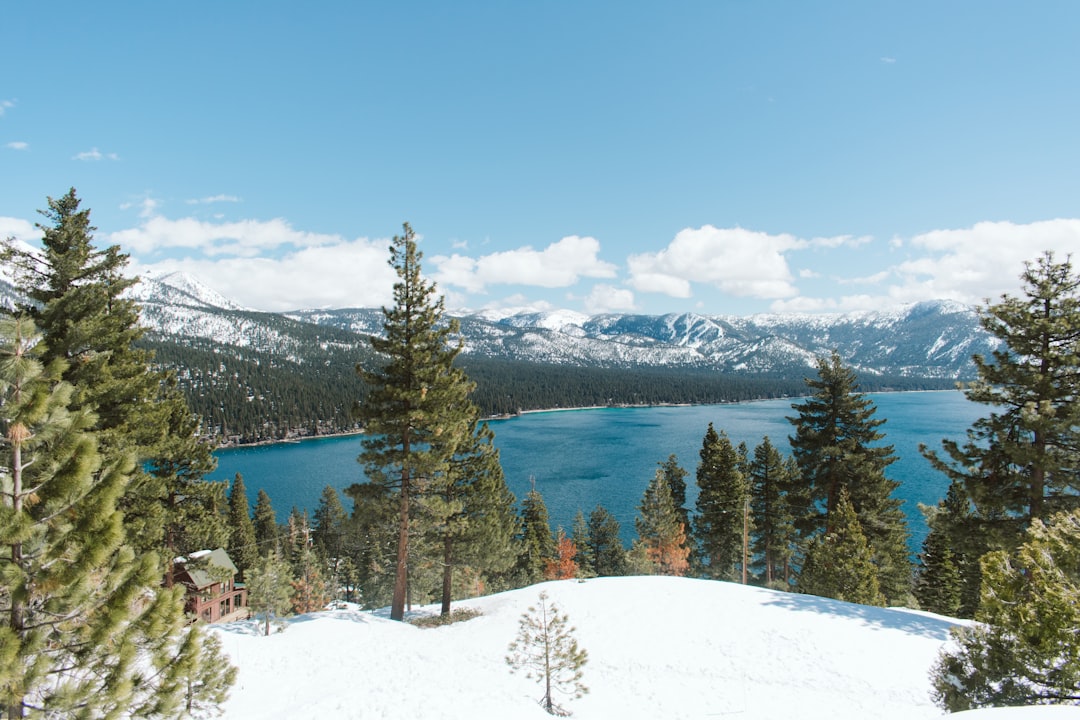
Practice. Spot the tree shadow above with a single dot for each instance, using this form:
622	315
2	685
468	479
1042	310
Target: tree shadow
914	622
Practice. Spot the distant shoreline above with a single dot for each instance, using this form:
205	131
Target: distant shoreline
511	416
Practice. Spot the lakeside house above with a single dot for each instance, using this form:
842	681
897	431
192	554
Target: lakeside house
213	593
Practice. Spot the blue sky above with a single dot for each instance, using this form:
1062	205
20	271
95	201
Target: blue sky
717	157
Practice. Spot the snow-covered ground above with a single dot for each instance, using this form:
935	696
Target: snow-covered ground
658	647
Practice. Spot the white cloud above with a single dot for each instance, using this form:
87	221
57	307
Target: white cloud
560	264
737	261
973	264
22	230
6	105
18	145
889	60
607	298
214	199
245	238
93	155
345	274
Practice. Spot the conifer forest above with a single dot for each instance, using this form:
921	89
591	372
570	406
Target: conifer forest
104	453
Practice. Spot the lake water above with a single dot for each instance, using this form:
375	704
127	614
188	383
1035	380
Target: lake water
579	458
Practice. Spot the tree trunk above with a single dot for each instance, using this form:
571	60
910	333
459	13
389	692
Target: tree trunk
447	573
401	574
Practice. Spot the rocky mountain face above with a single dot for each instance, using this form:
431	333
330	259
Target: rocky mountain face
929	339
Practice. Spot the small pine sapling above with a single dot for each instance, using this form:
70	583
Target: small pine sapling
545	648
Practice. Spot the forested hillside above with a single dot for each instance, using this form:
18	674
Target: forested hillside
246	395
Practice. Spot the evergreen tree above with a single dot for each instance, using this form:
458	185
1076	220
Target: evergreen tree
836	446
661	532
774	538
675	476
721	504
328	527
471	511
605	545
1024	649
416	413
243	546
87	624
948	576
537	544
265	524
77	294
1021	462
839	563
309	590
370	542
579	535
269	586
938	585
545	648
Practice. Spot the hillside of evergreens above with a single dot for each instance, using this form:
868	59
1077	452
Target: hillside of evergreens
247	396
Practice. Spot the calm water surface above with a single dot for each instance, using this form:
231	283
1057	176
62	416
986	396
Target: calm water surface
579	458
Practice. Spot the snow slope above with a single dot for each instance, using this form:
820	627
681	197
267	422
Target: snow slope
658	647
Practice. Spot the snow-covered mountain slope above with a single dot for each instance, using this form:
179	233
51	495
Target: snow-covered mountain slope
931	339
659	647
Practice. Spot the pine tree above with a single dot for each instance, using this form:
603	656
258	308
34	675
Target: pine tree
939	584
1024	648
721	504
416	413
269	588
265	524
839	564
836	446
87	623
309	590
78	302
537	545
774	538
1021	462
675	476
545	648
243	547
579	535
605	545
661	532
470	511
328	527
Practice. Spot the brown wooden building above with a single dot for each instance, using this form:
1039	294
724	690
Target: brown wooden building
213	595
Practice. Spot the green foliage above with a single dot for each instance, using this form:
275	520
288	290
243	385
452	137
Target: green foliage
243	546
1020	463
269	588
675	476
1024	648
721	503
837	447
772	482
839	563
537	545
422	443
265	525
660	529
87	620
545	648
579	535
948	577
605	546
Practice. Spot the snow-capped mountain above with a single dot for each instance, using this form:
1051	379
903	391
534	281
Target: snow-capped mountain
929	339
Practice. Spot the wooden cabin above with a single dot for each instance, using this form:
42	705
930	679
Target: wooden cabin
213	594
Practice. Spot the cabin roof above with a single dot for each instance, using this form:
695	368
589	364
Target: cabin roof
200	577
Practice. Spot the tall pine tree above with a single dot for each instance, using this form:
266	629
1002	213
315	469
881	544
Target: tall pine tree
537	545
416	413
88	631
1022	461
837	447
605	545
243	547
774	538
721	506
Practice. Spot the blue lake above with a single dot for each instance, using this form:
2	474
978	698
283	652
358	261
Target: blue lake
579	458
